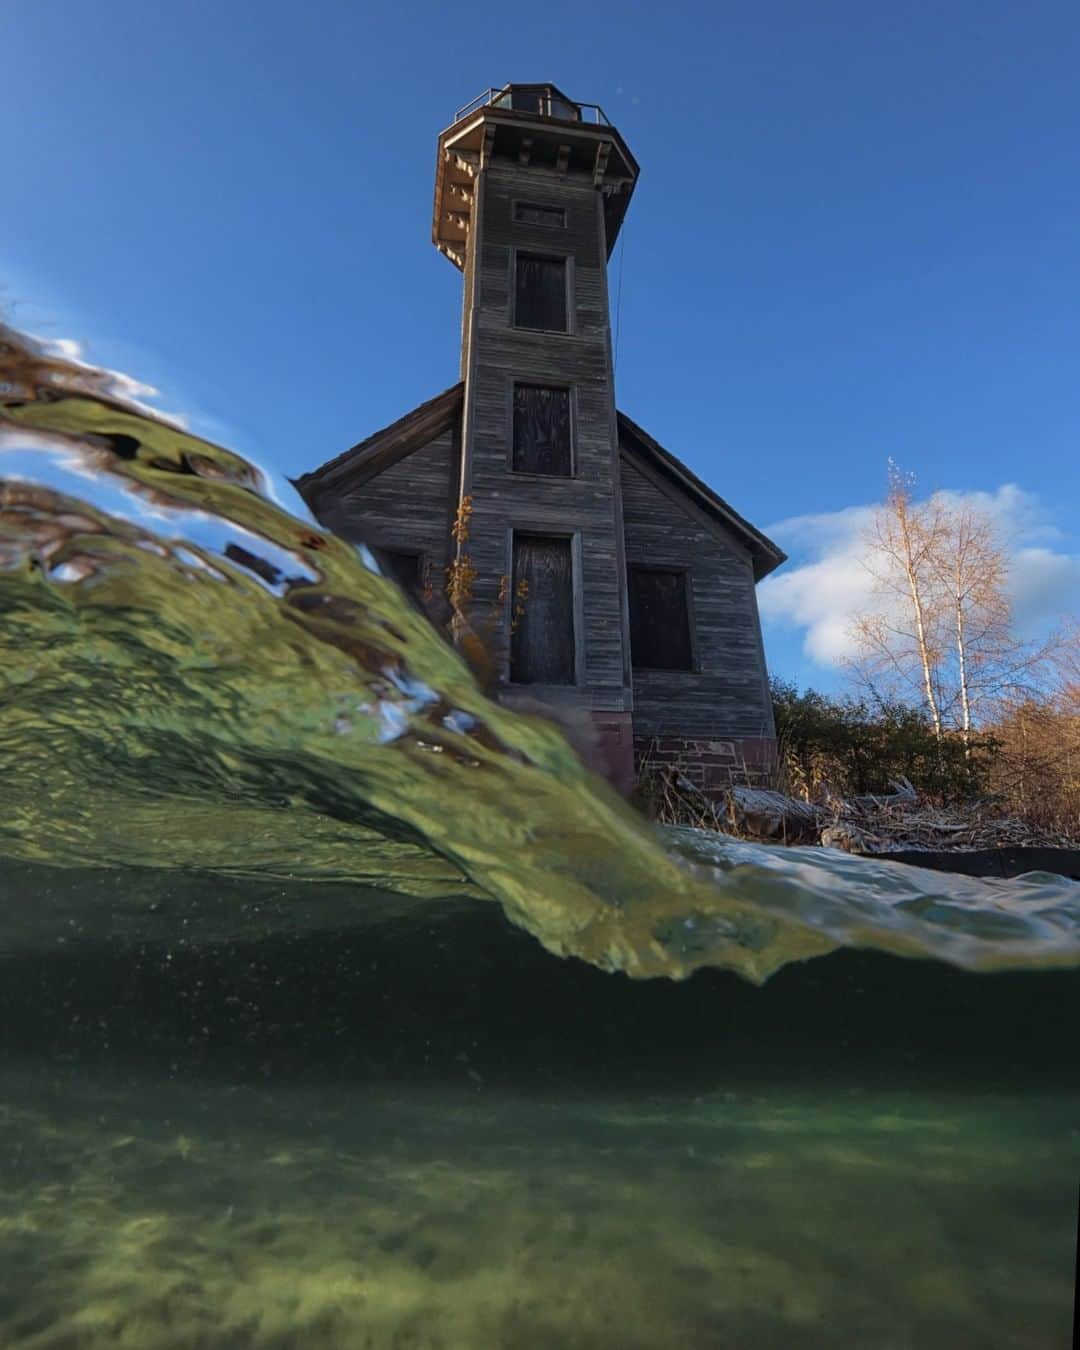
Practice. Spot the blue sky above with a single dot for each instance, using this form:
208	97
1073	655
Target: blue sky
856	235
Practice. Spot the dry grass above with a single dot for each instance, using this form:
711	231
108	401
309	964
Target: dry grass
799	807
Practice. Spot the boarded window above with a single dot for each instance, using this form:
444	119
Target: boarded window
542	645
531	214
404	568
540	293
541	430
659	619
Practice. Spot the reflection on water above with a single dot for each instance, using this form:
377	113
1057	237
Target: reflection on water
286	1058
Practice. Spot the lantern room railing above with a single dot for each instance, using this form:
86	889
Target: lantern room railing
533	98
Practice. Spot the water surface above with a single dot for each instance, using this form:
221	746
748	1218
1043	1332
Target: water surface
342	1006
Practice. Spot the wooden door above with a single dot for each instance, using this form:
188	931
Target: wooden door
542	645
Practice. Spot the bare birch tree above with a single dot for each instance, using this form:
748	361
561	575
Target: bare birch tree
972	570
993	667
941	622
901	640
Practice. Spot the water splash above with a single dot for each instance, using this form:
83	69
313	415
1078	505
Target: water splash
192	678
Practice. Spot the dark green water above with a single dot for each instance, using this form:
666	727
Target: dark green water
339	1007
448	1138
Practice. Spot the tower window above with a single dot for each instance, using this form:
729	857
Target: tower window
542	430
659	619
542	643
538	98
531	214
540	293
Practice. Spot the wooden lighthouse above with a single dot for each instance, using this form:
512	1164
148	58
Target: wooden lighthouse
641	609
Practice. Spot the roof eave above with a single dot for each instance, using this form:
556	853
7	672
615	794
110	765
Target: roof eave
418	426
766	556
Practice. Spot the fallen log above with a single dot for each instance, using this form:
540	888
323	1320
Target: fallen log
771	815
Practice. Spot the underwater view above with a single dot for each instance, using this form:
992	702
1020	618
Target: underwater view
344	1007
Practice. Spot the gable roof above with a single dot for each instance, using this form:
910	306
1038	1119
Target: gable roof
765	554
382	448
420	426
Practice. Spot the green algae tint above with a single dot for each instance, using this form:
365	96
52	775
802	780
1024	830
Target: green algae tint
288	1057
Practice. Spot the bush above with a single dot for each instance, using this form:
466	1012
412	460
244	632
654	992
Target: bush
853	747
1036	771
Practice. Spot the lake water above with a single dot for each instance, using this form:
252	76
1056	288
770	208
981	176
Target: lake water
341	1008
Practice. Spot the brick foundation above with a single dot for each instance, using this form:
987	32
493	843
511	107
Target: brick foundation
712	764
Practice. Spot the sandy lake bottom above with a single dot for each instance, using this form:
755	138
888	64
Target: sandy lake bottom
143	1214
349	1142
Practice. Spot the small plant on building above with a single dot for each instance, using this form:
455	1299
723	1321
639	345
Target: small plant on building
477	642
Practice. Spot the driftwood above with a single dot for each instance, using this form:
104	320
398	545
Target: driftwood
892	822
903	794
763	814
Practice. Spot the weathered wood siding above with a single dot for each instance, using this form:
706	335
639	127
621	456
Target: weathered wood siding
726	694
499	354
408	506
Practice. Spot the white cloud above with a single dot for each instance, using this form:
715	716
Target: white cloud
827	582
1045	587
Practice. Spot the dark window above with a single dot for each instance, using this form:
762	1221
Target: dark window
557	107
542	643
540	293
538	99
531	214
529	100
659	619
404	568
541	430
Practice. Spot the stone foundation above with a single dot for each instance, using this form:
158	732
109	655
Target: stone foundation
712	764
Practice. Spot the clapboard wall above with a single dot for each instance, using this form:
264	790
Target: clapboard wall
407	506
587	504
726	695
